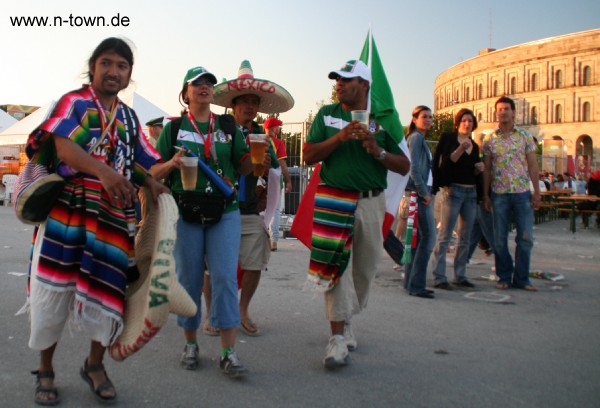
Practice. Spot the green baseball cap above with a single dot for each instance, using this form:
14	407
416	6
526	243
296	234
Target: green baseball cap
198	72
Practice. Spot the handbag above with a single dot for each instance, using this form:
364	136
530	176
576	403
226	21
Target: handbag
200	208
36	191
37	188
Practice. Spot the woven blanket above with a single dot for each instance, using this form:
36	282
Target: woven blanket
333	228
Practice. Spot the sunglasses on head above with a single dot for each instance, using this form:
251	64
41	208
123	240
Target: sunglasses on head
202	81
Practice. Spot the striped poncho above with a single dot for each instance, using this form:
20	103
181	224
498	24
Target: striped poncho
88	242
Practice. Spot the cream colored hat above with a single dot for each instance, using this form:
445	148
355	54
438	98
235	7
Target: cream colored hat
273	98
157	292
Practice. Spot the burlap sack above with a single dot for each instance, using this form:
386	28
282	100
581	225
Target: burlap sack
157	292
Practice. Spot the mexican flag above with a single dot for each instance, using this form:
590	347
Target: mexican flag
381	105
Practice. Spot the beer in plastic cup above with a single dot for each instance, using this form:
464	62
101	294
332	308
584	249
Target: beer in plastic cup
361	115
189	172
258	149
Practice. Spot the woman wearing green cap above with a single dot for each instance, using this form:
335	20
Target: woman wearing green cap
208	229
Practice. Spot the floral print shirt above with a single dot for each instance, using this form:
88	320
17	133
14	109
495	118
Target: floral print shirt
509	160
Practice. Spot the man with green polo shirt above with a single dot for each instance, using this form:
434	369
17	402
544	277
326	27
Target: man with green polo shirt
349	204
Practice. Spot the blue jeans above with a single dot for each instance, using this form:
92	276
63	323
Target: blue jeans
456	201
519	205
415	272
220	244
482	227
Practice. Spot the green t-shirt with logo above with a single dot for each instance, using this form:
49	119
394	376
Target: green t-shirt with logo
350	167
230	151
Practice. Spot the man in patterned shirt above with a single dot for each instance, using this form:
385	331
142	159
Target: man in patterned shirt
510	163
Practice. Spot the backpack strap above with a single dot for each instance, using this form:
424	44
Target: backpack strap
175	125
227	124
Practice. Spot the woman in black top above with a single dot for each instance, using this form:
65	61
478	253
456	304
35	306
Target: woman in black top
456	165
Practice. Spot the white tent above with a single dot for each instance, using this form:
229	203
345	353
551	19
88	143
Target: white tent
5	120
144	109
18	133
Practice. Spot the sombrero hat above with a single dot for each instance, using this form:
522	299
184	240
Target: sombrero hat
35	192
273	98
157	292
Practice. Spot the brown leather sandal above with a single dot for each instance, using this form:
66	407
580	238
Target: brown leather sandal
47	391
106	385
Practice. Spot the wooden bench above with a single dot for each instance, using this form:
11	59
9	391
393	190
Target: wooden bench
546	211
585	214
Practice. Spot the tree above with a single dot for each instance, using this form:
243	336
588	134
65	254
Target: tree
442	122
333	98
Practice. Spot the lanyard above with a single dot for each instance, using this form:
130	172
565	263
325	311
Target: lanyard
105	120
205	139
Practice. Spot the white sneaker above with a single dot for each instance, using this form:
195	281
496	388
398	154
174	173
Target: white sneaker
349	338
190	357
337	353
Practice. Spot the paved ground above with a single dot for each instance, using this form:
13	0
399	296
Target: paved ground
482	348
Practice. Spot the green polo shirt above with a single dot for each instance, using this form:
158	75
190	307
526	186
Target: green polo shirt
350	167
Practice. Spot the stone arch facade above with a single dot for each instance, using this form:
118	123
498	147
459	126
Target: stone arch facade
555	83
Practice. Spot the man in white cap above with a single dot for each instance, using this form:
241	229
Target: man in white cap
349	204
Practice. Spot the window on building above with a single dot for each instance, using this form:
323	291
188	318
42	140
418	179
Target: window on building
533	84
495	89
467	94
587	76
513	85
558	79
480	91
558	113
586	112
479	117
534	116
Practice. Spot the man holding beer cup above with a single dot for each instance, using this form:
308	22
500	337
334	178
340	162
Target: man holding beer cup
247	96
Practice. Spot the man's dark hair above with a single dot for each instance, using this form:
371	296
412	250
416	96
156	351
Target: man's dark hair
111	44
506	99
235	100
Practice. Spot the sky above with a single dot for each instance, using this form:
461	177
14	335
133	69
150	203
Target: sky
295	44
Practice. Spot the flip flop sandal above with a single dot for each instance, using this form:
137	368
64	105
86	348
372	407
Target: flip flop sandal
249	328
40	389
210	330
106	385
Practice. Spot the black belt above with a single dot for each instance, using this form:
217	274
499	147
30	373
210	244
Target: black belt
371	193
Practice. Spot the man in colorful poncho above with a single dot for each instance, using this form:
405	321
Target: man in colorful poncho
83	253
349	204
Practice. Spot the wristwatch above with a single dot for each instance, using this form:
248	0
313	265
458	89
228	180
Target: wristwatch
382	155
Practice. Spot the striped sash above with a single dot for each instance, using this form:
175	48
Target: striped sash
333	228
